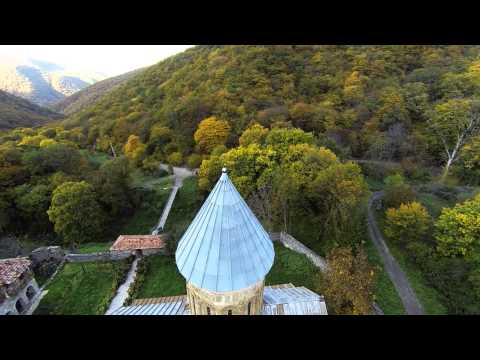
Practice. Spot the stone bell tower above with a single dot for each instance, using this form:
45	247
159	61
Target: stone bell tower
225	255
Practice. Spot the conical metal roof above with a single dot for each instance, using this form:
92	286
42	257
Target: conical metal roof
225	248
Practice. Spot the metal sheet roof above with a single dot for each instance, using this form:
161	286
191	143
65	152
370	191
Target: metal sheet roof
277	300
225	248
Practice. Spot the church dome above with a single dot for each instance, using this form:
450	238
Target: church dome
225	248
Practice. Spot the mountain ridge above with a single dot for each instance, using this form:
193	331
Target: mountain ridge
18	112
41	82
92	93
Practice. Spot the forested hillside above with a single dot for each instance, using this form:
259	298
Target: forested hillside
18	112
372	101
88	96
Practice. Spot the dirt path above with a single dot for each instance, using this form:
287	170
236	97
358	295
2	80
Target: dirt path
407	295
179	174
122	291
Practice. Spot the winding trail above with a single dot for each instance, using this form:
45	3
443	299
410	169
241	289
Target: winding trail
407	295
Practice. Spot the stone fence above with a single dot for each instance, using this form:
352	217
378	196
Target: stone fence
108	255
100	256
293	244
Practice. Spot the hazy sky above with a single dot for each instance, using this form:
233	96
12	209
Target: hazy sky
109	59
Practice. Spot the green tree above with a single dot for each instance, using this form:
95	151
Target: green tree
454	123
75	213
255	134
33	203
458	229
397	192
175	159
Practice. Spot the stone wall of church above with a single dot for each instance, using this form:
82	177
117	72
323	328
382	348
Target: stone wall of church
247	301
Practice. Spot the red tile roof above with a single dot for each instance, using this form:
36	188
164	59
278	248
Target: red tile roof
138	242
12	269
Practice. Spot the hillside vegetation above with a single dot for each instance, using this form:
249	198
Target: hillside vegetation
18	112
88	96
369	101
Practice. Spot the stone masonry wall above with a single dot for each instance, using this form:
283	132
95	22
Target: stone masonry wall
293	244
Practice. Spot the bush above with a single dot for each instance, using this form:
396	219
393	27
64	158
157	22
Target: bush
413	171
194	161
409	223
175	159
151	166
397	192
379	170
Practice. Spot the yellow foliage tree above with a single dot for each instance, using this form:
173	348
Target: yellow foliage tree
410	222
348	283
211	132
134	149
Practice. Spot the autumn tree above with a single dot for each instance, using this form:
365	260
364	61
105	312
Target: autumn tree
255	134
348	283
458	229
134	149
75	213
408	223
210	133
454	123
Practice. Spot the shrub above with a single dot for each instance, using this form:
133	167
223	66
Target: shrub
151	166
175	159
397	192
194	161
409	223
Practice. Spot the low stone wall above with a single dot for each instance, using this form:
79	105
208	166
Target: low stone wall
101	256
109	255
293	244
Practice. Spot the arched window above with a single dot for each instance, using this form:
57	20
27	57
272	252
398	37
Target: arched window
229	312
30	292
249	308
19	306
208	310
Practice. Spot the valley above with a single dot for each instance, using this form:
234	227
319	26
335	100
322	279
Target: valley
367	155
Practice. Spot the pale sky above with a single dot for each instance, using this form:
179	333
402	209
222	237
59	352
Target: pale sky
108	59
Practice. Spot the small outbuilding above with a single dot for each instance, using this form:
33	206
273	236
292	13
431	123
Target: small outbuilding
18	287
140	244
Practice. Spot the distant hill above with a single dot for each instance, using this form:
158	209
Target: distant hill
91	94
41	82
18	112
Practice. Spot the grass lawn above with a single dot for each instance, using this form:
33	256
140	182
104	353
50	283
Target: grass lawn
185	207
74	292
148	214
427	295
161	277
88	248
291	267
